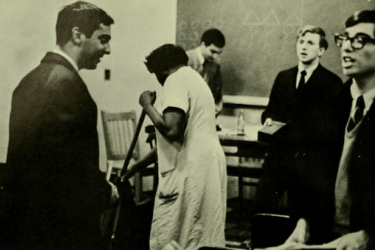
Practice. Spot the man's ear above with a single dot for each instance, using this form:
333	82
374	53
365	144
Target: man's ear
77	35
321	51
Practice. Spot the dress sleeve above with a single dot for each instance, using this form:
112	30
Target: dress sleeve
176	93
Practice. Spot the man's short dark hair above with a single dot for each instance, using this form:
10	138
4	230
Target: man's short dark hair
323	43
166	57
364	16
86	16
213	36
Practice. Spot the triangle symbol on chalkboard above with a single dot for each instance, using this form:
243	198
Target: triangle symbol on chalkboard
251	19
293	20
271	19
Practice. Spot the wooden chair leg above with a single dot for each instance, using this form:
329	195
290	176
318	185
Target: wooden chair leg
240	196
109	170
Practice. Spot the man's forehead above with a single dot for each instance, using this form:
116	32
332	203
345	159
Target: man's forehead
309	35
103	29
361	28
215	48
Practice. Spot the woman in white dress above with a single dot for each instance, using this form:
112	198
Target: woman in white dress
190	203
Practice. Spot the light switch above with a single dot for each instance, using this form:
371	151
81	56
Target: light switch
107	74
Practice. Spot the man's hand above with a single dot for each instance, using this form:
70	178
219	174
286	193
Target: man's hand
353	241
268	122
300	234
114	193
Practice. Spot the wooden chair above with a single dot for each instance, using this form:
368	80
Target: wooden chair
248	169
119	129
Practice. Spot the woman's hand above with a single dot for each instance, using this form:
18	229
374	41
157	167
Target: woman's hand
147	98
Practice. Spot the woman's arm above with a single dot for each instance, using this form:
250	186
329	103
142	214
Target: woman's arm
171	124
149	159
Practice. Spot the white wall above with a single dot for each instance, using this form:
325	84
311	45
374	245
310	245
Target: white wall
27	33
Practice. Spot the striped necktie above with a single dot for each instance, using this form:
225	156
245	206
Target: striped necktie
358	114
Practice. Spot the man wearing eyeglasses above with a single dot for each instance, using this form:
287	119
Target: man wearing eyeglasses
353	223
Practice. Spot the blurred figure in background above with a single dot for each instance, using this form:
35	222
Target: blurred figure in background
205	60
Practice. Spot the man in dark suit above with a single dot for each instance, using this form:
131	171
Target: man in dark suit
303	161
57	188
205	60
352	225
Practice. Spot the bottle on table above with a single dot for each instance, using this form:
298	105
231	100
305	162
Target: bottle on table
241	123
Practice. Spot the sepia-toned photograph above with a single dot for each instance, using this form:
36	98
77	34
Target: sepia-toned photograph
187	125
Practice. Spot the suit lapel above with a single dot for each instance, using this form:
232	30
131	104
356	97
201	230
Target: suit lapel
51	57
315	76
293	79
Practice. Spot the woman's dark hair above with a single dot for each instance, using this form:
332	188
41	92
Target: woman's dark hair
166	57
86	16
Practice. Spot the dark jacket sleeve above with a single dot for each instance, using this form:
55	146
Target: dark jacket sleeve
275	107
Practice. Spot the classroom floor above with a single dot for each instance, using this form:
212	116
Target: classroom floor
237	226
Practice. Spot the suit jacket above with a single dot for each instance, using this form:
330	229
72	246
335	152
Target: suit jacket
213	76
305	160
361	176
362	172
57	188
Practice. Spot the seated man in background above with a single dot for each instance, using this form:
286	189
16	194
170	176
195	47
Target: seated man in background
204	59
303	161
353	223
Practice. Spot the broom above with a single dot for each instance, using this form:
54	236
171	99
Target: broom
123	171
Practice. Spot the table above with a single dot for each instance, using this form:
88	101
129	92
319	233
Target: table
244	147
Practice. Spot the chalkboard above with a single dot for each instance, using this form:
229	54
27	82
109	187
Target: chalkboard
261	35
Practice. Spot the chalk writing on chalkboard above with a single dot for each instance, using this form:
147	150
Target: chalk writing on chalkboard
261	35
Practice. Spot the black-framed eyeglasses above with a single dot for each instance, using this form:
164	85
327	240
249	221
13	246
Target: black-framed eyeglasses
357	42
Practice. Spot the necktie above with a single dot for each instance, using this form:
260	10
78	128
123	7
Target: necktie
204	73
301	82
358	114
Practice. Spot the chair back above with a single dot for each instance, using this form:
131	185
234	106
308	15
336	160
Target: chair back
119	130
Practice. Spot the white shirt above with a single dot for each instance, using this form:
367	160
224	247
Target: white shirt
309	72
58	50
368	98
199	55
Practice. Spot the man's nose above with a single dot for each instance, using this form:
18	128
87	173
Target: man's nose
107	49
346	45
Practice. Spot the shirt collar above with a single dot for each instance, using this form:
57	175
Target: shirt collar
58	50
200	55
309	70
368	97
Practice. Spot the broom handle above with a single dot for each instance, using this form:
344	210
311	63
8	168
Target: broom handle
133	143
